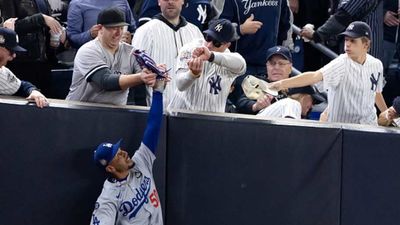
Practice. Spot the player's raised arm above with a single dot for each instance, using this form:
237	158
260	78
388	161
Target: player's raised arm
152	132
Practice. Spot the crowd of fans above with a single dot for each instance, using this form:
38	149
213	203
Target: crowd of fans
207	48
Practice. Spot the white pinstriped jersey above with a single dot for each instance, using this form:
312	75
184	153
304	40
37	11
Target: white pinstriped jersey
92	57
133	201
210	91
352	88
162	43
9	83
284	108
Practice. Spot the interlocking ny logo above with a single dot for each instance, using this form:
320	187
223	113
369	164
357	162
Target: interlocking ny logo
374	81
218	27
351	26
202	13
215	84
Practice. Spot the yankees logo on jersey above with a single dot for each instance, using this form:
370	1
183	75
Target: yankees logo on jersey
215	84
374	81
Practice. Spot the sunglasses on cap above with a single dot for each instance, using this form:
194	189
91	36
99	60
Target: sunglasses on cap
216	43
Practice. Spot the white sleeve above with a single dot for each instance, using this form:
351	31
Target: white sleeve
9	83
105	212
232	62
184	78
380	78
333	72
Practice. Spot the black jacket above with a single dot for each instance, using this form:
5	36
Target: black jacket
31	28
390	32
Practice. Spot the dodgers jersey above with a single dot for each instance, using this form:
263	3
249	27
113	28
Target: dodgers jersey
283	108
352	88
210	91
9	83
133	200
92	57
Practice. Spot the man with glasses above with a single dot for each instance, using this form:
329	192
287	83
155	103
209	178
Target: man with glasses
279	66
206	70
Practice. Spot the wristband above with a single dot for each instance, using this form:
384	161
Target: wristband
212	56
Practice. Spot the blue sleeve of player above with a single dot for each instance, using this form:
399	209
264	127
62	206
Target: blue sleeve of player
152	131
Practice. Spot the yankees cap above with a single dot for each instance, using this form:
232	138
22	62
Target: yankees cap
311	90
357	29
396	104
8	40
105	153
111	17
222	30
279	50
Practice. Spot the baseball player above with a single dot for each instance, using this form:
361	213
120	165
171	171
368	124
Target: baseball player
103	67
297	105
206	70
9	83
129	195
354	80
163	36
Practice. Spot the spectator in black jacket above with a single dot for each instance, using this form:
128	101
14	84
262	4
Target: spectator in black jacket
34	25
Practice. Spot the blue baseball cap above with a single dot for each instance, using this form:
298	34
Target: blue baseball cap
357	29
311	90
105	153
279	50
9	40
222	30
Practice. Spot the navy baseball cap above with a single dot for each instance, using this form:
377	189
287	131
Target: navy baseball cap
8	40
357	29
311	90
222	30
396	104
279	50
112	17
105	153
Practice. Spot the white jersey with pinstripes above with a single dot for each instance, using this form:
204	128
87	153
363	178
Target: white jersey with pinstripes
352	88
210	91
92	57
163	43
132	201
284	108
9	83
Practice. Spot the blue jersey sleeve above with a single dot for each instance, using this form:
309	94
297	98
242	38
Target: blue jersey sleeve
152	132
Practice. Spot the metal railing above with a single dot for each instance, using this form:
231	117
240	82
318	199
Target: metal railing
322	48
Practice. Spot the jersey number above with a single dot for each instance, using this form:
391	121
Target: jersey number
154	199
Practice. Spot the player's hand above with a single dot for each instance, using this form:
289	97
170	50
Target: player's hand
294	6
196	66
10	23
148	77
262	102
126	37
202	52
250	26
39	98
94	30
54	26
391	19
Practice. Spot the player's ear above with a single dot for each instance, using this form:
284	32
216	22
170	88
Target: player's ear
110	169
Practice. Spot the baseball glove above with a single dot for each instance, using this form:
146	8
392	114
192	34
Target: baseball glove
145	61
